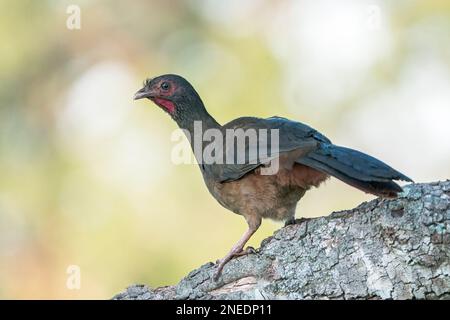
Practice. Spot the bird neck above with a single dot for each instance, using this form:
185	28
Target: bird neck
191	116
197	125
194	120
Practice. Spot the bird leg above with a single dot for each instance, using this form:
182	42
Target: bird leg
237	249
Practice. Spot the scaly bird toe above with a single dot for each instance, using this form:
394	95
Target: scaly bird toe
222	262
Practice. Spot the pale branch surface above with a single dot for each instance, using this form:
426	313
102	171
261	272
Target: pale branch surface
382	249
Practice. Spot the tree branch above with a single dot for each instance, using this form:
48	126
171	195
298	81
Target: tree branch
382	249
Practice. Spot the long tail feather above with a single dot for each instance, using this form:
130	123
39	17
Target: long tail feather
356	169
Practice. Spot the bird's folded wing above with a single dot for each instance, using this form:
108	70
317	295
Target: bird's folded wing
289	141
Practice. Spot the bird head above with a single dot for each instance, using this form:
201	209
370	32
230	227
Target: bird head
174	94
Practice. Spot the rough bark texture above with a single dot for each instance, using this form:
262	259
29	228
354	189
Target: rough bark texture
382	249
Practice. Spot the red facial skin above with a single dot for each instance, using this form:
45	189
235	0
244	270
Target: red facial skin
162	96
166	104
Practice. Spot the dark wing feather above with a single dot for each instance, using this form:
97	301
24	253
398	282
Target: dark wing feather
302	144
293	136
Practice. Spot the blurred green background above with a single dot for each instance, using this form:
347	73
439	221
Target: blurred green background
85	172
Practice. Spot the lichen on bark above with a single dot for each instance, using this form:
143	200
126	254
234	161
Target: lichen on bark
383	249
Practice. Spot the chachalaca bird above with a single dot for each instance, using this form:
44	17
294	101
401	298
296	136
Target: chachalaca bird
305	158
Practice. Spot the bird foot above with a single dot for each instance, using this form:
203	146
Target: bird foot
248	250
289	222
220	264
295	221
234	253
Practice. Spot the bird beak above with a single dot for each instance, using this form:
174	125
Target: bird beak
141	94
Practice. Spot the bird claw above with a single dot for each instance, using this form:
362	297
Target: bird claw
248	250
222	262
295	221
217	275
289	222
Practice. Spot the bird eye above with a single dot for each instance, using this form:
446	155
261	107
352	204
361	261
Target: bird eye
165	86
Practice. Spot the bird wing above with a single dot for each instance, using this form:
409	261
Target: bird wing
295	140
